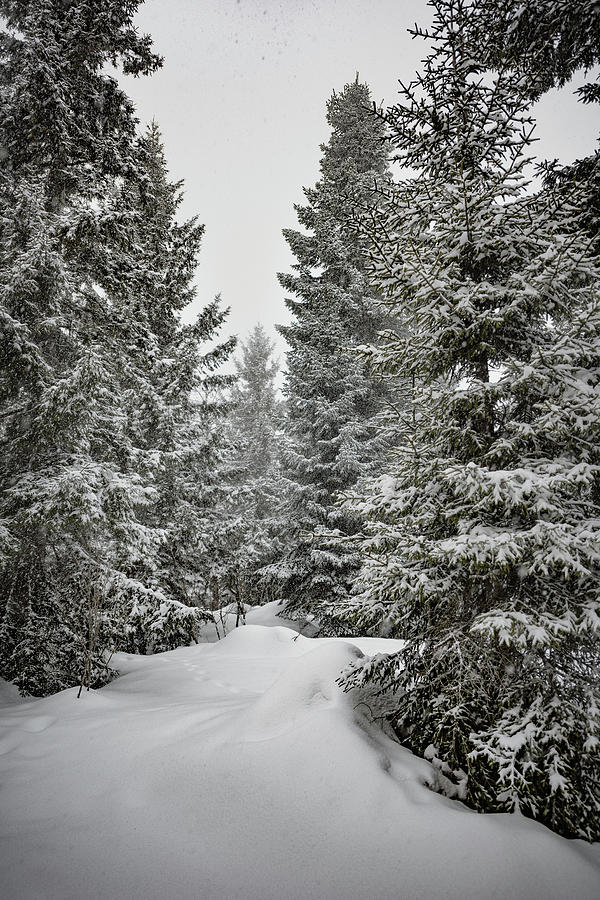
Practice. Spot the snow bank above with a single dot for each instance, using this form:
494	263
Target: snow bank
306	686
240	770
227	617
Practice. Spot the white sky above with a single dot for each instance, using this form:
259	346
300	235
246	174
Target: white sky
241	105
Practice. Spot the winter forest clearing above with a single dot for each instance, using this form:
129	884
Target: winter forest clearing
420	498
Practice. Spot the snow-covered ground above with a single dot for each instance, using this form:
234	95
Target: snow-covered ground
239	769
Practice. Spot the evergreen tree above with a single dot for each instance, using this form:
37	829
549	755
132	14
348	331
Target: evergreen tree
251	514
89	301
331	399
172	397
256	409
484	544
68	486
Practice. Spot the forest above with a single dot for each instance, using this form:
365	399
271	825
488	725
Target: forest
427	477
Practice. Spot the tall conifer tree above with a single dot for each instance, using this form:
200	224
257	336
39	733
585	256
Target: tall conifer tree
68	483
484	552
331	399
88	306
253	508
171	393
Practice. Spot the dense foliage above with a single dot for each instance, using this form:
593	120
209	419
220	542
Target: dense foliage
331	399
483	549
250	532
97	377
433	473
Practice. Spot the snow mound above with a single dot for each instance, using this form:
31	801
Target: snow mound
239	770
269	616
258	641
227	620
308	683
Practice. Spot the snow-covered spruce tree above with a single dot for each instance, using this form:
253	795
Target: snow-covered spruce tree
191	485
73	486
252	511
256	410
331	400
68	486
170	383
484	546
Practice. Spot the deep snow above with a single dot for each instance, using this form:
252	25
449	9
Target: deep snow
239	769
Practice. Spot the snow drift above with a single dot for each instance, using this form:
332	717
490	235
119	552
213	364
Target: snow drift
239	769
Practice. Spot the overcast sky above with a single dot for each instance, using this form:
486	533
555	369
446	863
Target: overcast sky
241	104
